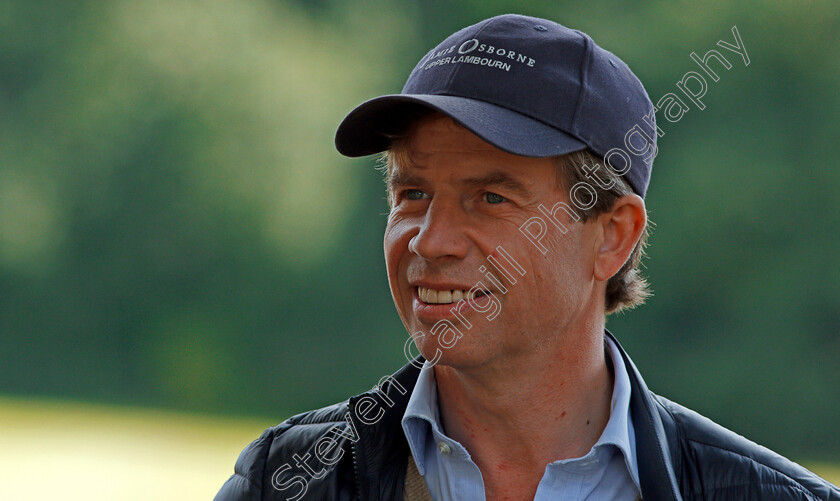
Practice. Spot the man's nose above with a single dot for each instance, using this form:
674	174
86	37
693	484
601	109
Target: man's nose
441	232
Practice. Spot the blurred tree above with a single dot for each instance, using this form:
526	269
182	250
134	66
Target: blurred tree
176	229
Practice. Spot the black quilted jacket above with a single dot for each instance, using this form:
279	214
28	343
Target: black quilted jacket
356	450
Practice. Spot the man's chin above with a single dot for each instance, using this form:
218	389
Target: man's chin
458	356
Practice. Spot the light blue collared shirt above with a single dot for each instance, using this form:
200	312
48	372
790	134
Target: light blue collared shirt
608	471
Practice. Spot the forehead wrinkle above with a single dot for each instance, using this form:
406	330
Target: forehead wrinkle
439	141
439	134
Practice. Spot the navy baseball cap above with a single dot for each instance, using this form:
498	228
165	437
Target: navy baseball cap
528	86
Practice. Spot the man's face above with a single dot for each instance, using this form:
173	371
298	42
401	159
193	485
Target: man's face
456	202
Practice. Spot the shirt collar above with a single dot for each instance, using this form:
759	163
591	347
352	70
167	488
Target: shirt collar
619	430
422	415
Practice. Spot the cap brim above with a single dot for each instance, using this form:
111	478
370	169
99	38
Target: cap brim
370	127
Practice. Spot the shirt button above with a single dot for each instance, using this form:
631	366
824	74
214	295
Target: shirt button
444	448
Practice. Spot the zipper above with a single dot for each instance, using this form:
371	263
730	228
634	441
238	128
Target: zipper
357	476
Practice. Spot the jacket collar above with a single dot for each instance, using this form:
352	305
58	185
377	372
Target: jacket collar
382	445
656	472
382	451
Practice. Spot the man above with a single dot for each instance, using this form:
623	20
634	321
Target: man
517	160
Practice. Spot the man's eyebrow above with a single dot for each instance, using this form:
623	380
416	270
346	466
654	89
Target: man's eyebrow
499	179
399	179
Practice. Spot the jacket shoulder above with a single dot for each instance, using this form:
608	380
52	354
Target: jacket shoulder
264	461
712	462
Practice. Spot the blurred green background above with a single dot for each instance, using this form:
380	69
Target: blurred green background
177	231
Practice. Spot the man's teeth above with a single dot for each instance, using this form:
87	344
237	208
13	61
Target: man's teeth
433	296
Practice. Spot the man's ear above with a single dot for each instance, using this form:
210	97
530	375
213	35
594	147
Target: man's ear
621	228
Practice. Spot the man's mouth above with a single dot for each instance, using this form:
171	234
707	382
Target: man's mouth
433	296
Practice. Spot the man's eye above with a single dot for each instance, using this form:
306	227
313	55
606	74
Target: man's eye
493	198
414	194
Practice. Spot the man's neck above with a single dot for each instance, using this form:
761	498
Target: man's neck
516	416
